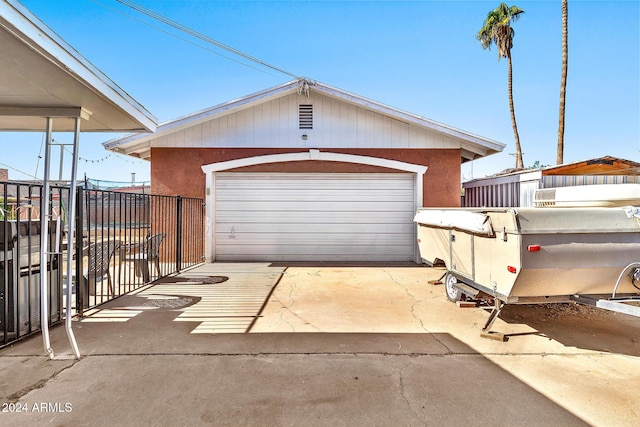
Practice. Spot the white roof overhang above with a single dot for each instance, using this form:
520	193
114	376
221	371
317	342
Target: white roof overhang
43	76
139	145
46	85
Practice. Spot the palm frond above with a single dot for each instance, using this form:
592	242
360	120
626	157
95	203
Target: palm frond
496	29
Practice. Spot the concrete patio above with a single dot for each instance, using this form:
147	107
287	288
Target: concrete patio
268	344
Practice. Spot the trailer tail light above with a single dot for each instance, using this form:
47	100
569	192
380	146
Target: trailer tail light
533	248
511	269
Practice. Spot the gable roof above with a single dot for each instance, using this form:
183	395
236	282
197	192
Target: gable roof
41	75
472	146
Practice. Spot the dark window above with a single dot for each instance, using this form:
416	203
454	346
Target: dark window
600	162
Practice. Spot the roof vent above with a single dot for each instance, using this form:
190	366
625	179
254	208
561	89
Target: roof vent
600	162
305	118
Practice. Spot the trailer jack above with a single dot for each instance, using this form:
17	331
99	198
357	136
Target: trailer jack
486	330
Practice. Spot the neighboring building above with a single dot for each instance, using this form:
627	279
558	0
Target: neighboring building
517	188
136	189
307	172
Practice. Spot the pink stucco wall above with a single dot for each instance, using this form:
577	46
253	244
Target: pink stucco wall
177	171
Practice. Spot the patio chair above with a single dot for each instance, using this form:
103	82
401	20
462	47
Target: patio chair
99	256
142	254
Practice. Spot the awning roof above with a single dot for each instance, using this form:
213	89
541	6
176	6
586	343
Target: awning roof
41	75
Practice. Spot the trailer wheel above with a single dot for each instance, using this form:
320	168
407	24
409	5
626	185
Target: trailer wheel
453	294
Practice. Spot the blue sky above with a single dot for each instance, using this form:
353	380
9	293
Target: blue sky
418	56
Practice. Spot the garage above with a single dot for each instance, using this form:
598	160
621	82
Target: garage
304	171
314	216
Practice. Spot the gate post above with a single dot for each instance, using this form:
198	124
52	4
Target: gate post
178	233
82	288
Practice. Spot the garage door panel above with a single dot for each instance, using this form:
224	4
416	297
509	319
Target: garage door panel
225	230
229	218
314	217
317	195
298	257
323	206
316	239
358	183
340	182
306	253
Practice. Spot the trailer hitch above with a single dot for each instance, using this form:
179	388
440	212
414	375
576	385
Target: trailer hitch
635	277
634	269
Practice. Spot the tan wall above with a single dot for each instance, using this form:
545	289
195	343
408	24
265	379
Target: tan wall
177	171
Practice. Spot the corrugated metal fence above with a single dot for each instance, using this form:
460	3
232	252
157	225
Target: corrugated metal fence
516	191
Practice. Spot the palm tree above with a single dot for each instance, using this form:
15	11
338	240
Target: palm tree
563	83
497	30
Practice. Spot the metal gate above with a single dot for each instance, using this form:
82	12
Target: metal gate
123	241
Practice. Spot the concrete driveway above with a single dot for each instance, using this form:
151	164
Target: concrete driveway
262	344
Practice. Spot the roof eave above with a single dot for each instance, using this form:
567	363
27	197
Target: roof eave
43	41
202	116
488	146
473	147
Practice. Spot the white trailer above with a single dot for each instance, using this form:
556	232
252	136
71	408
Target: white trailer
588	255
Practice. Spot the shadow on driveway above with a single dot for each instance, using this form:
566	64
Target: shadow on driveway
148	360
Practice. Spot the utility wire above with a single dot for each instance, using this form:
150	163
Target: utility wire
178	37
18	170
150	13
40	154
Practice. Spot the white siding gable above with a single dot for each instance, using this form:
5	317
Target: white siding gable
274	124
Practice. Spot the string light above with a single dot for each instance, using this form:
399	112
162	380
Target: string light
130	160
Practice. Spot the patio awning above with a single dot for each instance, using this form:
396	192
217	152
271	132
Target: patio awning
41	76
46	85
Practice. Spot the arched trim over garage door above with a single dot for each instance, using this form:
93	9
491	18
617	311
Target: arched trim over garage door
311	155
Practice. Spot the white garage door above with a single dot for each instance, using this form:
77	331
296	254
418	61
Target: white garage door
314	217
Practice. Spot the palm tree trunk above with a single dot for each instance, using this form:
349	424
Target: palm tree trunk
519	163
563	83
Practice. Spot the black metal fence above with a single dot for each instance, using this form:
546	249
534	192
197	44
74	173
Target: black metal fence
132	239
123	241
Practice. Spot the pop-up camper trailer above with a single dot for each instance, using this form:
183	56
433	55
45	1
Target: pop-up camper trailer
540	255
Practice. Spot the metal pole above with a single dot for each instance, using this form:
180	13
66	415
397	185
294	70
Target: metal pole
178	233
71	209
61	164
44	244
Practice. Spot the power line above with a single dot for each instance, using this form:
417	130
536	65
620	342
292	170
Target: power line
178	37
154	15
18	170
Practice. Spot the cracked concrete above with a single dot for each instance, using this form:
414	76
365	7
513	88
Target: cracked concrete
370	346
406	290
400	299
20	375
323	390
417	419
